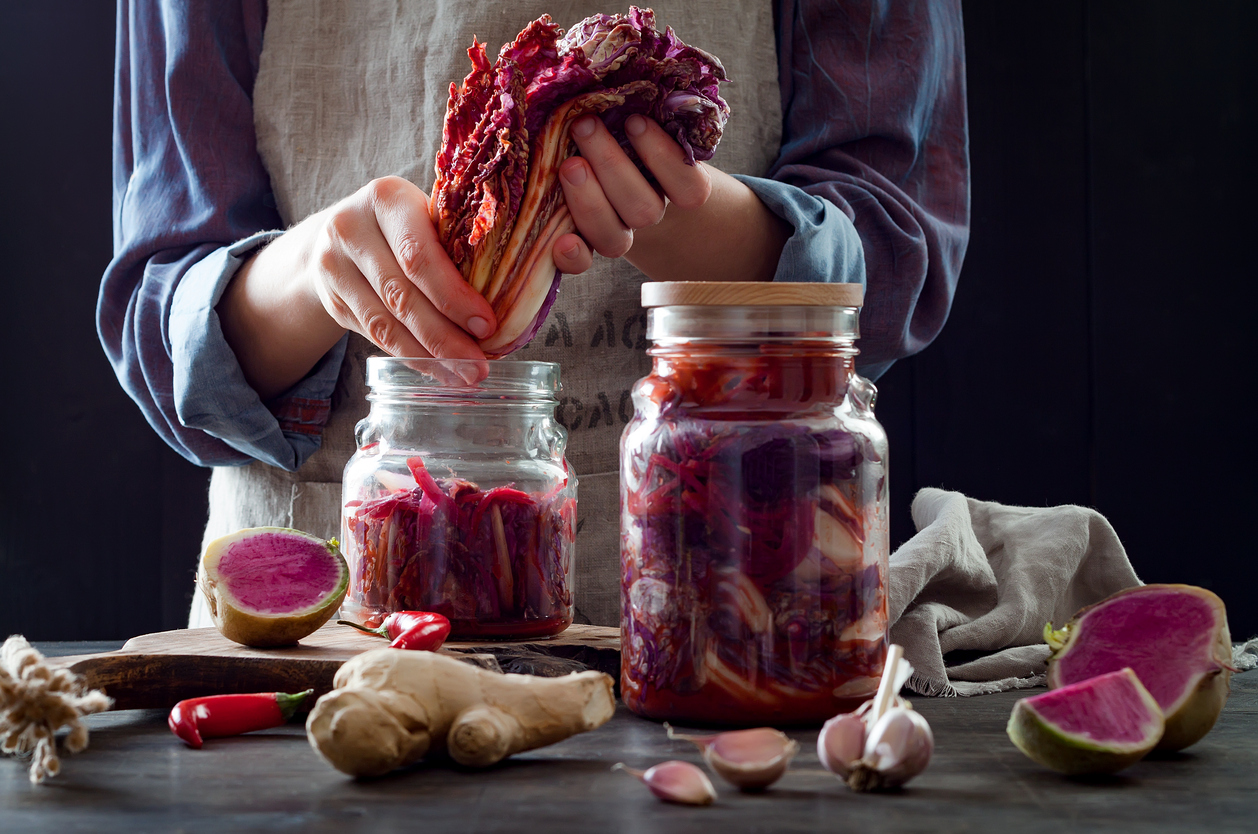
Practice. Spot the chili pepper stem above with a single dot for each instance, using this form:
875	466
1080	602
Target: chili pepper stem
379	632
289	704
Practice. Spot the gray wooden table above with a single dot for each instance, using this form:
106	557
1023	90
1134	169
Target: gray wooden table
136	777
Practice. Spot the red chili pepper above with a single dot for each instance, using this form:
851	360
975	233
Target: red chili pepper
415	630
427	637
217	716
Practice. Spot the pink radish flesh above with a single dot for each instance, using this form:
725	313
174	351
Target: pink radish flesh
1106	709
276	573
1166	636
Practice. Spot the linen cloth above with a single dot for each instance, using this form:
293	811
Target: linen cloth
1245	655
981	576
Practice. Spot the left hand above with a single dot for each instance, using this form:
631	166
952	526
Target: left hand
610	198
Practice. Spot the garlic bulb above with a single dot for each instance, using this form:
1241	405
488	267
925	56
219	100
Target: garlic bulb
748	759
675	781
884	743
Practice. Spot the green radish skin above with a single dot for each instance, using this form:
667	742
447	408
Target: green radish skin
1190	710
1036	735
239	615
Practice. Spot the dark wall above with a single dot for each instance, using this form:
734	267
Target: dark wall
1100	348
100	522
1096	352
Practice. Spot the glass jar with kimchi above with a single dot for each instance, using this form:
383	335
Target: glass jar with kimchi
753	509
459	500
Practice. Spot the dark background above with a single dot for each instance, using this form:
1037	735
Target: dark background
1098	351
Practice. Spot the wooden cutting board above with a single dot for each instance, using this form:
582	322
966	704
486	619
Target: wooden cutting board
161	669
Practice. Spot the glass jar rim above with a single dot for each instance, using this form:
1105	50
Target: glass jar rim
496	379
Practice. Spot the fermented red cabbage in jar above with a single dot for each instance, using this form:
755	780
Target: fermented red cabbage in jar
495	562
754	527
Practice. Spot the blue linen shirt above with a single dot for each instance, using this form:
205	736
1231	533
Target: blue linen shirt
873	176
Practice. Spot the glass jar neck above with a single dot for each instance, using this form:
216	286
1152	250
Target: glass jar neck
738	379
399	383
461	408
727	362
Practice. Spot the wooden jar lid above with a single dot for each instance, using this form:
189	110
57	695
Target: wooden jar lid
750	293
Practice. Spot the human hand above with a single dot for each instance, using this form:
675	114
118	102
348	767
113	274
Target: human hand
378	269
371	263
610	198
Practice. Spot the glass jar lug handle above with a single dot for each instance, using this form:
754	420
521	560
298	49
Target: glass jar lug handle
557	439
862	393
363	434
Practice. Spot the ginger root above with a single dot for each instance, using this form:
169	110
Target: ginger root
392	707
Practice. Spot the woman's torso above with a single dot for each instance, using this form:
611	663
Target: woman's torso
347	92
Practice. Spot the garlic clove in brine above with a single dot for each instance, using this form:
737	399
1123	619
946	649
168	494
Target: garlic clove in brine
751	760
675	781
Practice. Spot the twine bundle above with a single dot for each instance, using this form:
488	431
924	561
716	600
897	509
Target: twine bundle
36	701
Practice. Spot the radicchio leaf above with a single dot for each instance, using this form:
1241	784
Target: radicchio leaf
497	203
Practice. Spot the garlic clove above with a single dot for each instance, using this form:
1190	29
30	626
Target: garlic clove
675	781
841	743
888	739
751	760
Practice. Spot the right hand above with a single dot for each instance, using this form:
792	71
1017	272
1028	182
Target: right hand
371	263
378	269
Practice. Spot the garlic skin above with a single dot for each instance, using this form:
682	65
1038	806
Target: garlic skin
884	743
750	760
675	781
841	743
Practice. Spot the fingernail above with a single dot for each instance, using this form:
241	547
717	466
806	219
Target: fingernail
583	126
574	173
467	371
635	125
571	250
479	327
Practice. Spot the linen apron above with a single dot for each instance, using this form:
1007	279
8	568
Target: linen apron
350	91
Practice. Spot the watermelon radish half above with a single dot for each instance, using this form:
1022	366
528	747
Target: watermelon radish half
1101	725
1174	637
272	586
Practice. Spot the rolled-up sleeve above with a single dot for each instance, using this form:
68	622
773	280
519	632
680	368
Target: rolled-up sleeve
824	245
192	201
873	172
